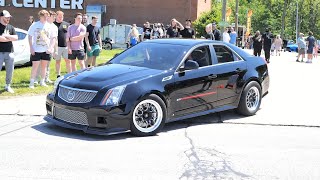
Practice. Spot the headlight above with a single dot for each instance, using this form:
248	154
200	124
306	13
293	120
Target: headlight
113	96
56	83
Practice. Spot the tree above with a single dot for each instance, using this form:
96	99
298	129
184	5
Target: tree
279	15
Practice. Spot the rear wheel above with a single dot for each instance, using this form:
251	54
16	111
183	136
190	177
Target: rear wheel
107	46
250	99
148	116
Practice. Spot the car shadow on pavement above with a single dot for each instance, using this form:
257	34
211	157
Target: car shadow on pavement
54	130
215	118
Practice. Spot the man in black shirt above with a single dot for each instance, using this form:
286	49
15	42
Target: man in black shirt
188	32
311	43
93	41
85	23
216	32
146	31
267	39
7	35
62	50
174	29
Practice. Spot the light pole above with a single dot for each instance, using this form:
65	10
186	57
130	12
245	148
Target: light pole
224	9
237	17
297	22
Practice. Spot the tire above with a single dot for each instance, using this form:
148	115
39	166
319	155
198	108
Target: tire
148	116
107	46
250	99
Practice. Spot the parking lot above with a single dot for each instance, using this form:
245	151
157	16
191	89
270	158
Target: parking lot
282	141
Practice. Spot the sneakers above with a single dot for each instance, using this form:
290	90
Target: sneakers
309	61
42	83
49	81
31	85
297	60
9	89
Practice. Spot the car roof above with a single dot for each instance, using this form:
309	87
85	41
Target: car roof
21	30
183	42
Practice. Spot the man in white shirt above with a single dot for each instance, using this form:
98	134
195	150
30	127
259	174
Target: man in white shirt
54	29
41	42
226	36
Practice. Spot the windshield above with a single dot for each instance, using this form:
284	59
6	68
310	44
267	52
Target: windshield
152	55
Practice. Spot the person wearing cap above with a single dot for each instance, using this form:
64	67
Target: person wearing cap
301	47
216	32
7	35
188	32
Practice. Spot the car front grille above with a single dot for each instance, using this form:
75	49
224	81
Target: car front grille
72	95
71	116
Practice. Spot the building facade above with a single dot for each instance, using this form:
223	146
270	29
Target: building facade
123	11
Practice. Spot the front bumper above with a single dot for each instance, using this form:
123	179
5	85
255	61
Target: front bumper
94	120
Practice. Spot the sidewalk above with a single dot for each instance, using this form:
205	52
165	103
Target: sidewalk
25	105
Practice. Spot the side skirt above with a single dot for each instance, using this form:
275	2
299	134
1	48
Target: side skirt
222	108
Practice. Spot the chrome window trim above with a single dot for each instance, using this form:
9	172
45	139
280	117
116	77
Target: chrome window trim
218	64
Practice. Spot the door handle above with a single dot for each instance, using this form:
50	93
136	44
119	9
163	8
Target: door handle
212	76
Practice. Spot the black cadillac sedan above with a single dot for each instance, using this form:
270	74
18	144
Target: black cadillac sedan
156	82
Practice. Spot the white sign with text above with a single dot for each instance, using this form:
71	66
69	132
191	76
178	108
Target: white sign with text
64	4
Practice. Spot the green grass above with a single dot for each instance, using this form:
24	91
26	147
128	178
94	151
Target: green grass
21	77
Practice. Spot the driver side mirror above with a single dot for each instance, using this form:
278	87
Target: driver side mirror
189	65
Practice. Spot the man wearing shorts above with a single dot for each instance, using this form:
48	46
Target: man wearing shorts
41	41
75	35
50	19
93	41
311	42
62	50
85	23
301	47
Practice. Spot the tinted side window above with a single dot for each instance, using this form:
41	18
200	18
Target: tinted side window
202	56
21	35
223	54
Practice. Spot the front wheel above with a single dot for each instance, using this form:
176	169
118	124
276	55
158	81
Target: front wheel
148	116
250	99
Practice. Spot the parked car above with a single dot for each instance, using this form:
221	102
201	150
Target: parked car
156	82
21	48
292	47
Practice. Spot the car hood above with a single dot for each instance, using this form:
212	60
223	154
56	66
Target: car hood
108	75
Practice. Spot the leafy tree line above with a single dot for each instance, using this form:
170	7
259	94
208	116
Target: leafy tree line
279	15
